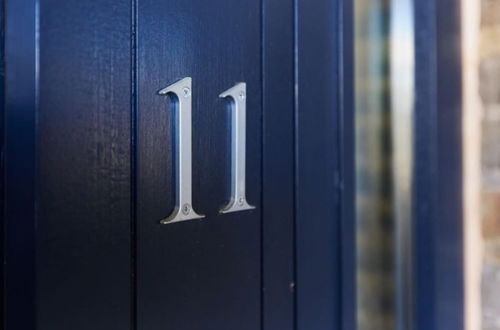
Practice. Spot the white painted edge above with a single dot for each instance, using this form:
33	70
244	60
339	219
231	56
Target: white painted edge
471	138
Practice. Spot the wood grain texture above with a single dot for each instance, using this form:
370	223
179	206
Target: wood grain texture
200	274
84	177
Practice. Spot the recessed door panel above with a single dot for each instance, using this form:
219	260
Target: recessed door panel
202	273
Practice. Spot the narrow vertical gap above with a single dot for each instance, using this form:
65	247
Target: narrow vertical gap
36	147
340	176
2	161
263	127
133	174
296	156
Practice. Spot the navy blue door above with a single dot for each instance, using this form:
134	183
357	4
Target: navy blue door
89	165
68	180
204	273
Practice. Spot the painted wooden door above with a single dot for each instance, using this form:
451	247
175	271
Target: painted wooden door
89	163
67	215
202	273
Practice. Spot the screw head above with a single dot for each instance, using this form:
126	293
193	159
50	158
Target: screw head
242	95
186	208
241	200
186	91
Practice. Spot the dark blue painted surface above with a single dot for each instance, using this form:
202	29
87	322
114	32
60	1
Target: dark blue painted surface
318	176
67	161
449	230
347	184
83	165
84	188
19	158
200	274
438	164
278	286
88	165
425	170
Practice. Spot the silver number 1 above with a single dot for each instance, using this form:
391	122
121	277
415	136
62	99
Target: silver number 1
238	202
182	93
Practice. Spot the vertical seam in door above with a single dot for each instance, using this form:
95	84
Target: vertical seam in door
2	164
36	189
133	162
262	142
340	176
340	146
296	154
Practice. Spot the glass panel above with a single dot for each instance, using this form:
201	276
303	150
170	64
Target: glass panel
384	108
402	101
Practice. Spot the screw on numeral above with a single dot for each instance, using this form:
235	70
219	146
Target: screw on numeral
186	208
186	91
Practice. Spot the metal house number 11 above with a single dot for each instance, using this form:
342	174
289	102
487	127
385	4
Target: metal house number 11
182	92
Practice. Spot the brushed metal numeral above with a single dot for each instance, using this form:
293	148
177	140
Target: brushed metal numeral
238	95
181	93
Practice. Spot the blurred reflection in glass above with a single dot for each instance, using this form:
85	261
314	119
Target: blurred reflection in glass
384	107
402	101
